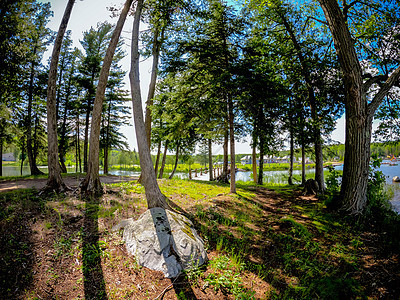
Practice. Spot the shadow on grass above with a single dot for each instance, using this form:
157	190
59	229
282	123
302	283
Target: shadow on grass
16	255
94	284
280	247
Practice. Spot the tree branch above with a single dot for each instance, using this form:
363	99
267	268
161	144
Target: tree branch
372	80
389	83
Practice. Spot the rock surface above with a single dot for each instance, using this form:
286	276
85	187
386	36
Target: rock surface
164	241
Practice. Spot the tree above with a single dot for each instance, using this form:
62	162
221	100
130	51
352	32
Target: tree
153	193
39	37
94	43
92	182
54	181
359	111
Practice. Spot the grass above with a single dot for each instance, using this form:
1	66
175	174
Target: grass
263	243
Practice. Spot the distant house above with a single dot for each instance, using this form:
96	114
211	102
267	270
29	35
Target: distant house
8	157
246	160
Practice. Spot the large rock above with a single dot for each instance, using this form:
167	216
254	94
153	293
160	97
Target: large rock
164	241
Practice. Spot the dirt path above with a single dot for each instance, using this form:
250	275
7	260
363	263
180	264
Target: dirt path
71	181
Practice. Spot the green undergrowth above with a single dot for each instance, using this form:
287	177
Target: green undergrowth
265	242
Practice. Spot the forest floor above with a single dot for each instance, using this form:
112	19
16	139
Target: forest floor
71	181
263	243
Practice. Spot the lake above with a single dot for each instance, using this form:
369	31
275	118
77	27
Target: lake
277	177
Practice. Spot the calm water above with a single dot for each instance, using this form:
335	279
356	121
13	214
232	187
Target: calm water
269	177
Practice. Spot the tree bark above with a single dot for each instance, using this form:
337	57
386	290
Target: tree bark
153	80
153	194
224	175
78	145
92	182
254	160
359	114
319	168
157	158
176	162
62	145
1	158
54	181
290	180
22	154
32	162
163	161
232	144
261	163
303	164
210	163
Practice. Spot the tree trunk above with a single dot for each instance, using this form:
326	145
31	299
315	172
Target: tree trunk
303	164
63	139
54	181
290	180
359	114
153	80
78	144
157	158
92	182
176	162
232	142
224	176
32	163
261	164
106	160
254	160
107	143
153	194
210	162
1	158
163	161
356	163
319	168
22	155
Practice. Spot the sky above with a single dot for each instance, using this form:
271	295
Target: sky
88	13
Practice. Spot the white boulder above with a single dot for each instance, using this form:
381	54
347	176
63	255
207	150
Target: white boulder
163	240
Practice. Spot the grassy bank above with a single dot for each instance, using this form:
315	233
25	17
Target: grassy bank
265	242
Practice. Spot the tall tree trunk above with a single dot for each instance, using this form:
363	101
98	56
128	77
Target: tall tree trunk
163	161
157	42
76	153
92	183
62	146
176	162
254	159
303	164
78	144
157	158
210	162
290	180
232	144
22	154
86	138
359	113
319	168
31	158
106	159
107	143
261	164
54	181
1	158
224	176
153	194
